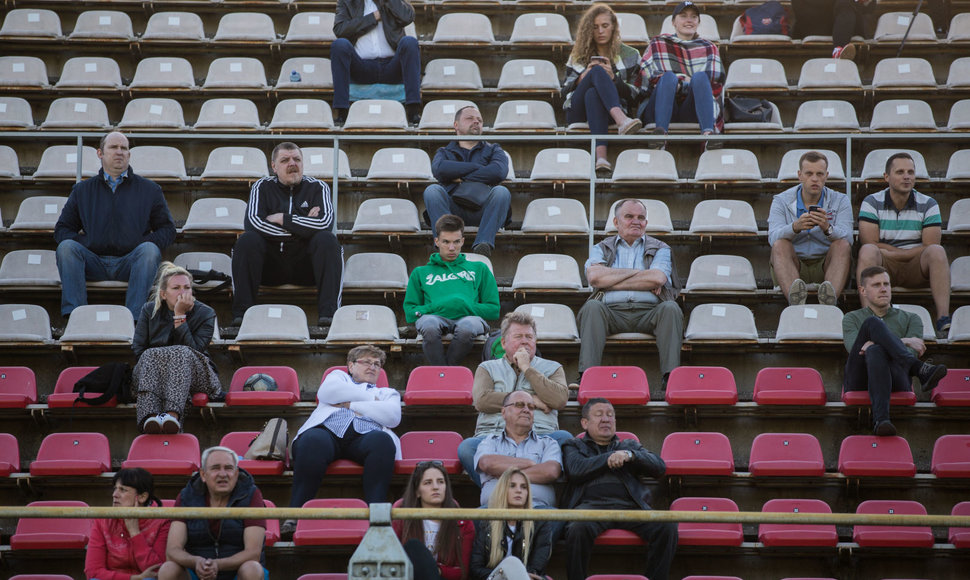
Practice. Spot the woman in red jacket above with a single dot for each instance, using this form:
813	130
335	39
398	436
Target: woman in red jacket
127	549
438	549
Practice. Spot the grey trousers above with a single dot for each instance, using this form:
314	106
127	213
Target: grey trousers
598	320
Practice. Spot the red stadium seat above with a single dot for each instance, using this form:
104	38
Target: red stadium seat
330	532
616	577
703	533
951	456
797	534
287	383
868	455
72	454
165	454
418	446
621	385
430	385
381	380
9	455
711	578
786	454
701	386
960	537
40	577
892	536
272	527
861	398
618	537
789	386
239	441
953	390
345	467
51	533
18	387
693	453
64	395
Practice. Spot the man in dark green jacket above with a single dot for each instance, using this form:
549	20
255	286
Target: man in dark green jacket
450	295
884	345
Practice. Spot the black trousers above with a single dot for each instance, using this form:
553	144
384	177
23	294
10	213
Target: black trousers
317	261
661	538
886	366
317	448
425	565
840	19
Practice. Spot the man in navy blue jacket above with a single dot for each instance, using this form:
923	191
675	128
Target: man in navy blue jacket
470	161
114	226
288	238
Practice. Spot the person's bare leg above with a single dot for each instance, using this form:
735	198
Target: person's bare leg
785	263
935	266
601	151
836	265
618	115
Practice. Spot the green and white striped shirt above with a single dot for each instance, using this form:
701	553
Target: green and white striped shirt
902	228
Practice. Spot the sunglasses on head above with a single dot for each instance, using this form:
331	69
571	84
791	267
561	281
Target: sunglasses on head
430	463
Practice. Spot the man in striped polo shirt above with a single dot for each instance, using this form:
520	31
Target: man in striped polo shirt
900	229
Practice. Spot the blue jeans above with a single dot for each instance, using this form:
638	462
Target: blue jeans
592	100
465	329
468	447
76	264
404	66
697	107
489	218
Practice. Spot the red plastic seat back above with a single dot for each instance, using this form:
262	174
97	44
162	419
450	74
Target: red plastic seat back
433	385
9	455
616	577
51	533
287	387
960	537
73	454
701	386
951	456
272	527
40	577
18	387
621	385
789	386
418	446
64	395
786	454
953	390
707	534
868	455
797	534
330	532
165	454
381	380
697	453
892	536
861	398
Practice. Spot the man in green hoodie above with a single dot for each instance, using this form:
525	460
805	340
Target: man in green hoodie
450	295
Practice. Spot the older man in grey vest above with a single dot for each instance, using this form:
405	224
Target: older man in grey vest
519	369
635	290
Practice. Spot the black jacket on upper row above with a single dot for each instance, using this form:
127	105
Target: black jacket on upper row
350	22
113	223
583	462
159	329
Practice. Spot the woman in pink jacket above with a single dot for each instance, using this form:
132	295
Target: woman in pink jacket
127	549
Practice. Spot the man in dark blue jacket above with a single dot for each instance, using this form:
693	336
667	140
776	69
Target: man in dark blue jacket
603	473
474	162
288	238
114	226
371	47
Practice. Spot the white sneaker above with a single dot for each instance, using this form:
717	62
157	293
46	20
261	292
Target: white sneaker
798	292
152	425
826	294
170	425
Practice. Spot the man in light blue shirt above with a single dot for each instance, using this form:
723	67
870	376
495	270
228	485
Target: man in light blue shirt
810	245
635	290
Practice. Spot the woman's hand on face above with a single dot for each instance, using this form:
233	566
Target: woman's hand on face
184	303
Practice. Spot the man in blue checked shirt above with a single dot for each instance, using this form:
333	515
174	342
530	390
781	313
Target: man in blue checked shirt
635	287
353	420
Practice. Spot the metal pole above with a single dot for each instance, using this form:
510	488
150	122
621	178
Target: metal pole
487	514
912	20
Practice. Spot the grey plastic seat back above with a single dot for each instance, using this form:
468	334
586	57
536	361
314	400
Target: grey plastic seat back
24	323
215	213
29	268
810	322
152	113
723	216
39	212
720	272
387	215
100	323
174	26
362	323
219	114
274	322
77	113
721	322
376	270
61	161
547	272
158	161
235	162
168	72
302	114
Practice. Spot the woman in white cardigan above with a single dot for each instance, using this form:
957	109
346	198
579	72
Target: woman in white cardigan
353	420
